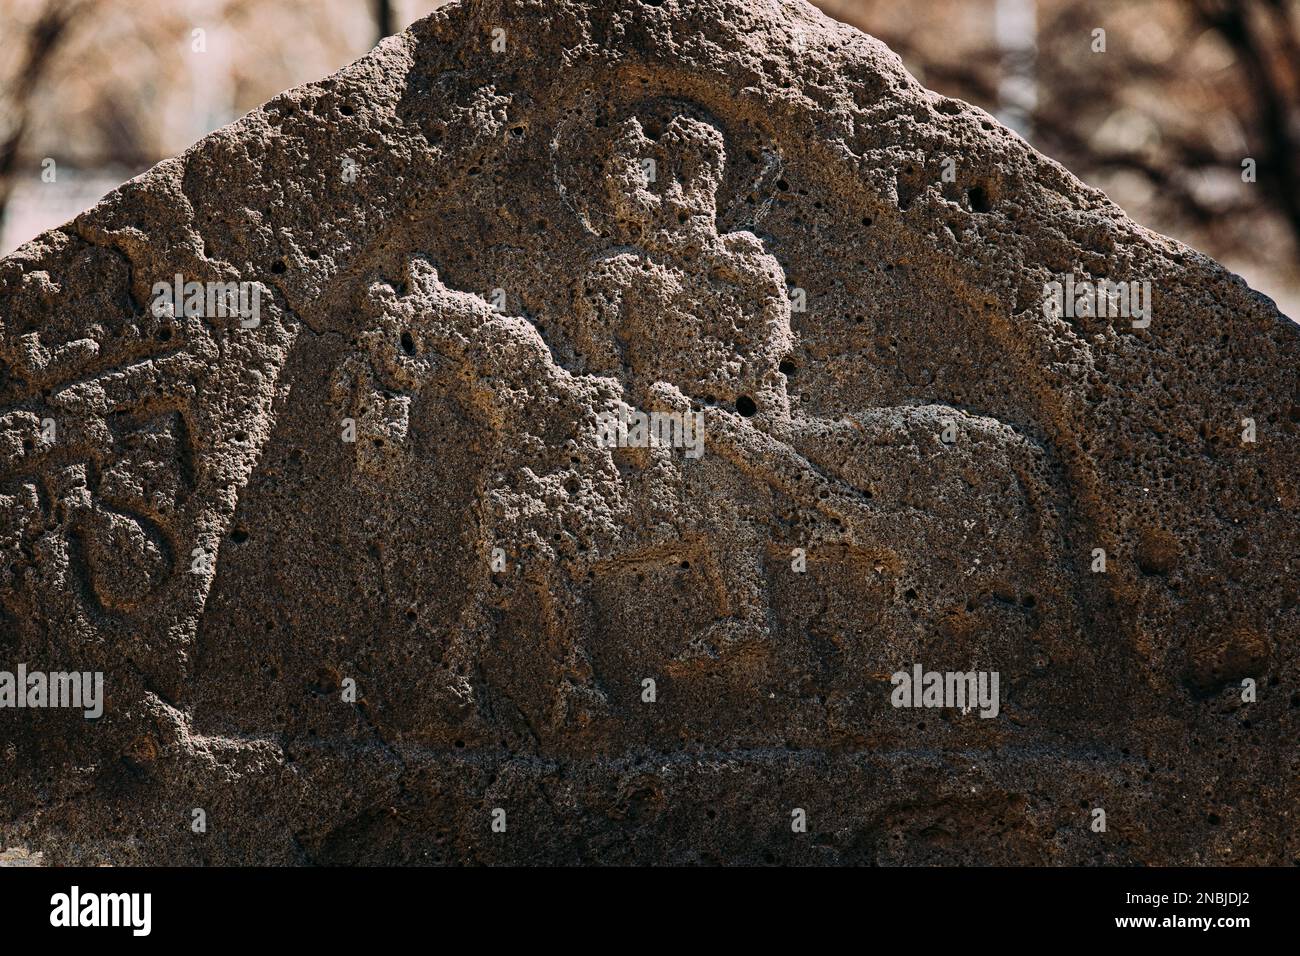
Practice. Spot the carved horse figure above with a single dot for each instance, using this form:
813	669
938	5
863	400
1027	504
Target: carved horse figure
675	317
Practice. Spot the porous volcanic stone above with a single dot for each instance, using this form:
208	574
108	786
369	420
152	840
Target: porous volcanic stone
520	215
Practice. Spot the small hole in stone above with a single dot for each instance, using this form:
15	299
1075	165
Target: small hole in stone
164	334
782	185
408	343
278	266
787	367
979	199
239	535
745	405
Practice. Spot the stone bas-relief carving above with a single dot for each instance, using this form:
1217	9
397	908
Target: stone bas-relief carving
367	572
718	309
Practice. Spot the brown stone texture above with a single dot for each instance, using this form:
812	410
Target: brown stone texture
504	266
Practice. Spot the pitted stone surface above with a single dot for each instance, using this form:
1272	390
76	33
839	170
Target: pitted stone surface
468	255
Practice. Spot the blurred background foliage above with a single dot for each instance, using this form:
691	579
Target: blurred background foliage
1161	121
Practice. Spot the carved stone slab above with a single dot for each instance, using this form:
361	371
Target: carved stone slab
637	391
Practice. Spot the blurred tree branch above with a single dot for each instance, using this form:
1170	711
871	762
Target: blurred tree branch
1232	19
383	18
39	45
